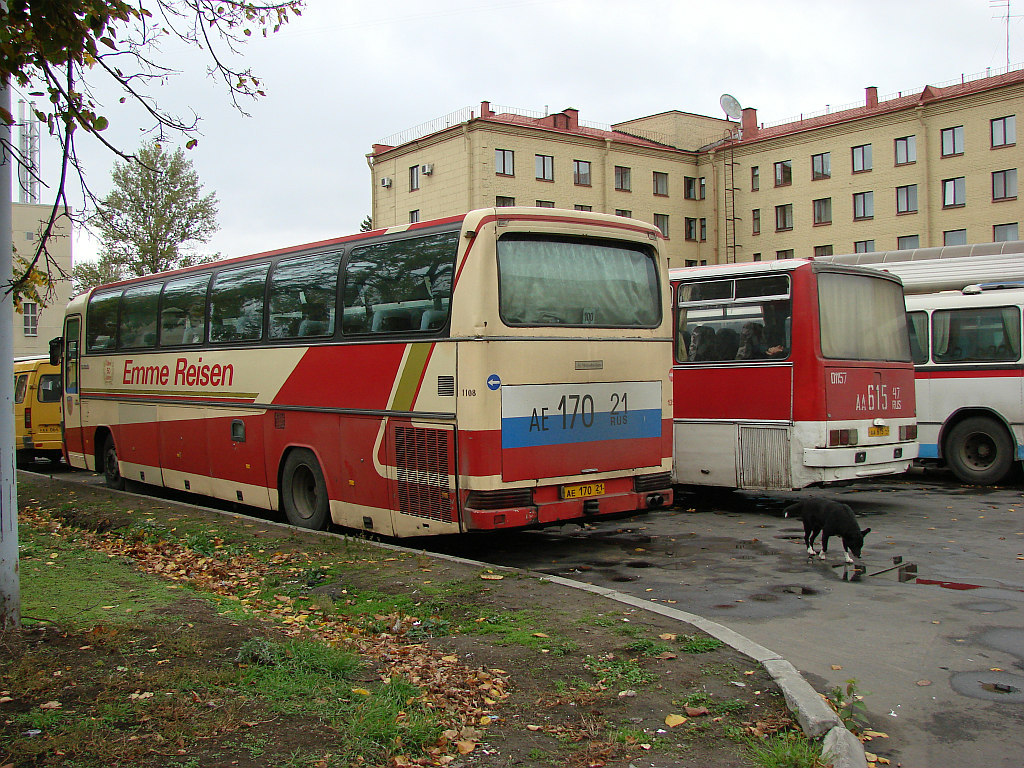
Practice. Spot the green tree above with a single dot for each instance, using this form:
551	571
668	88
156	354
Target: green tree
155	215
366	225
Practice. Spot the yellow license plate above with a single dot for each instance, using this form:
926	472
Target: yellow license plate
878	431
582	491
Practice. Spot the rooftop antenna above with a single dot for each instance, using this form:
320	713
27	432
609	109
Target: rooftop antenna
731	106
1005	16
28	145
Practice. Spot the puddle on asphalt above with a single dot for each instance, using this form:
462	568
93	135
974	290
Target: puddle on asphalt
989	686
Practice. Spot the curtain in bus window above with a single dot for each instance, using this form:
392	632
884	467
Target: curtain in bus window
400	286
547	281
101	321
138	316
303	293
183	313
987	334
862	318
236	304
917	324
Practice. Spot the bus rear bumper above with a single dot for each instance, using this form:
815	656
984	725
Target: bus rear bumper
862	459
567	510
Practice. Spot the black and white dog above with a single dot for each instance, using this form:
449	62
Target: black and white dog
829	518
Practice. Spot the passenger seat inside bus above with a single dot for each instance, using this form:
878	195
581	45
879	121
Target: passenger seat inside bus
391	320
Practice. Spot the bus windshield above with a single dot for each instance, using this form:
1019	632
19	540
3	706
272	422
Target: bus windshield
862	318
553	281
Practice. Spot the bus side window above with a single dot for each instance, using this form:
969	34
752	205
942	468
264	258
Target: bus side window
236	303
138	316
682	336
917	325
101	321
183	313
20	387
303	292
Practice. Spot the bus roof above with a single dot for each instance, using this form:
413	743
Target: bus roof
745	268
973	296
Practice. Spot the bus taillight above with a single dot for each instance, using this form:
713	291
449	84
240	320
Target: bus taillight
838	437
908	432
28	418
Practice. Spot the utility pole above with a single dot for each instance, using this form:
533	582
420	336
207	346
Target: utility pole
10	592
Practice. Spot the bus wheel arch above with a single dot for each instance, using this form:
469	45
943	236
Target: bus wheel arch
978	447
303	489
106	460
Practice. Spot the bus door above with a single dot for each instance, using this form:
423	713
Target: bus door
72	404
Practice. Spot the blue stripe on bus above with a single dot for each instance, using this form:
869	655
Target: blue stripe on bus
928	451
538	430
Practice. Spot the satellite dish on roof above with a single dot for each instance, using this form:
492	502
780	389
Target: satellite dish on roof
731	106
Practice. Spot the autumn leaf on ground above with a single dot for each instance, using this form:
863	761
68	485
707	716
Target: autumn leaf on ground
465	747
673	720
492	576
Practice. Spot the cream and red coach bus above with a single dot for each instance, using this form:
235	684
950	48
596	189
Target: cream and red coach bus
503	368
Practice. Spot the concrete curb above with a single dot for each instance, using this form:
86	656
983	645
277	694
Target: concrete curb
815	717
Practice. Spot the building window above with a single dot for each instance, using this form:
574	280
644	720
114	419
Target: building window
864	246
690	228
414	216
906	199
690	188
703	230
1004	131
822	250
1002	233
954	192
823	211
414	178
821	166
623	212
504	202
906	150
755	178
784	173
702	187
784	254
660	183
690	263
783	217
505	162
545	203
755	221
757	257
581	173
623	182
583	207
661	222
953	141
1004	184
954	237
30	318
861	158
545	165
906	242
863	206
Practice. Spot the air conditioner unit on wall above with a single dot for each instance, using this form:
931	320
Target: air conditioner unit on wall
385	181
427	169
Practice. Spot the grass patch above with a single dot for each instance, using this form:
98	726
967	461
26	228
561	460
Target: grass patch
699	643
786	750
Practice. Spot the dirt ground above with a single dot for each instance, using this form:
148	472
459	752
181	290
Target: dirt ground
509	669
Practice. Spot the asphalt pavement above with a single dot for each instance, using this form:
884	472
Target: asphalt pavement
939	657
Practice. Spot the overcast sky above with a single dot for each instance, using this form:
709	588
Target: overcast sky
350	73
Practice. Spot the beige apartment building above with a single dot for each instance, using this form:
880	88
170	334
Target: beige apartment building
933	167
36	325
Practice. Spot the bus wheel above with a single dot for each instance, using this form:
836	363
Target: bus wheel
304	492
111	472
979	450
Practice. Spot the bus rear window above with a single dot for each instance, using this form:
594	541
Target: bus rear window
862	318
552	281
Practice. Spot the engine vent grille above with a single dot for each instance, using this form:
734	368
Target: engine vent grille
423	471
658	482
446	386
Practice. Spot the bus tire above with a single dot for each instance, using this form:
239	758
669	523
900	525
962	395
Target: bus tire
304	492
111	470
979	450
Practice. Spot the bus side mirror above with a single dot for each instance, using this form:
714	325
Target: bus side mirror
56	350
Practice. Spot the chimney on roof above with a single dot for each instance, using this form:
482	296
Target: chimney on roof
485	109
748	122
871	96
574	118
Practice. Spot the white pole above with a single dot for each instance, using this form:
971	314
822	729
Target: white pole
10	594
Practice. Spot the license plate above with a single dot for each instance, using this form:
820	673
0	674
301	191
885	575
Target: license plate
878	431
48	428
582	491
